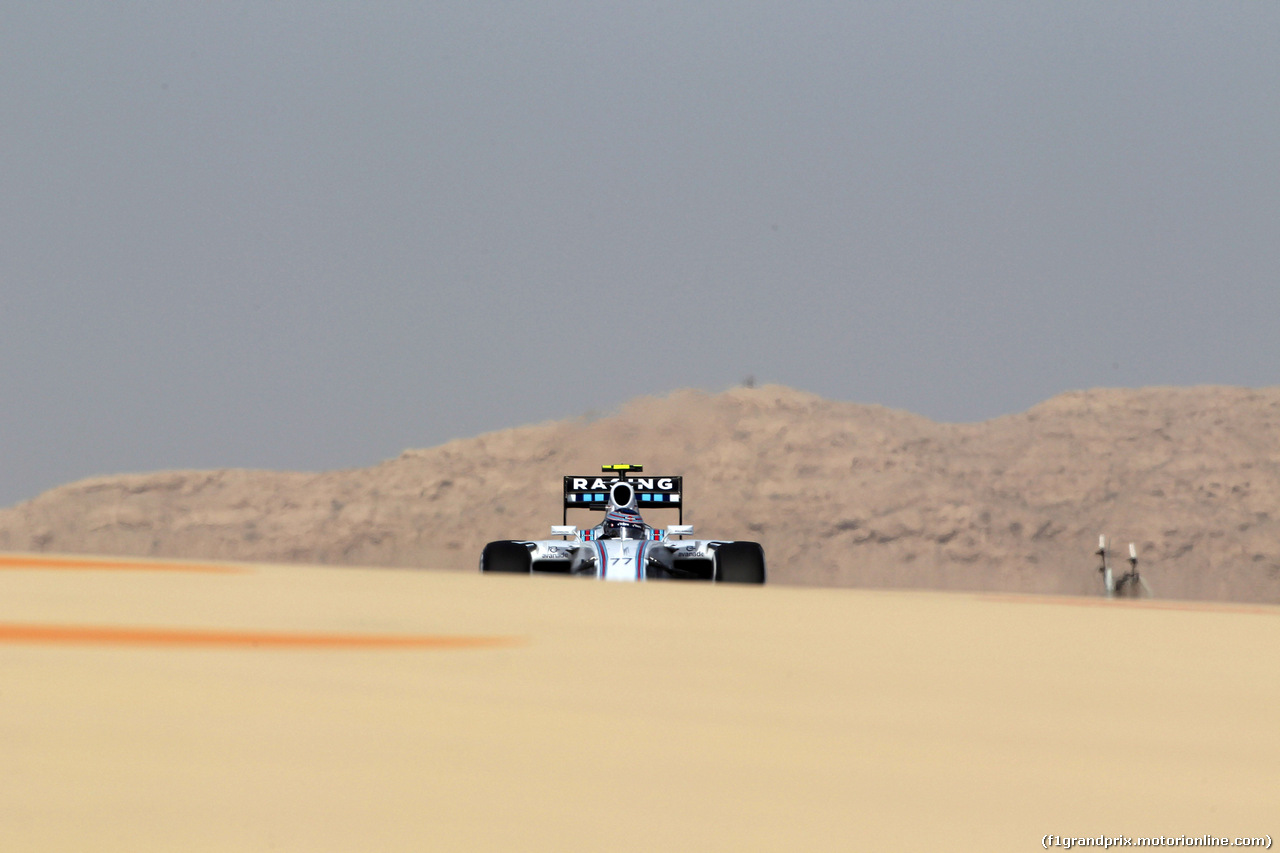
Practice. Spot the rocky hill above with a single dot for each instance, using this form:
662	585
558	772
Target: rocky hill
839	493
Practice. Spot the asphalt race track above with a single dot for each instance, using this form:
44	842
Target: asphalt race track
149	706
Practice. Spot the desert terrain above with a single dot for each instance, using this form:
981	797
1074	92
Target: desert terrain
839	494
164	705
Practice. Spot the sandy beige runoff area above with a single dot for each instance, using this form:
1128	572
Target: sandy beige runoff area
622	717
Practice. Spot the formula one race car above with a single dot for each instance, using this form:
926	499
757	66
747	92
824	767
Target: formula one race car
623	547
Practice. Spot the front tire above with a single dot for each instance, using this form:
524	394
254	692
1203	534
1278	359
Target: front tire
506	557
739	562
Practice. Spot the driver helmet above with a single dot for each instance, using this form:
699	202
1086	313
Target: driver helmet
623	523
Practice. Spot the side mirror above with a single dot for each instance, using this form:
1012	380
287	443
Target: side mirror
679	529
564	530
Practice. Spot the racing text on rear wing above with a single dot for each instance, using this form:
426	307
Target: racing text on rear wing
592	492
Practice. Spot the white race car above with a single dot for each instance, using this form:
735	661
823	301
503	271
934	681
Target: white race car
623	547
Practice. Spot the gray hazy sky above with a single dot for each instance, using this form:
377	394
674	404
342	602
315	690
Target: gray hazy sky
308	235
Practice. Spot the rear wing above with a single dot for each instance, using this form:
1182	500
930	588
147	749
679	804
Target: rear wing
592	492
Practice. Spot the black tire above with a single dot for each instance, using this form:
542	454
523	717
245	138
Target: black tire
506	556
739	562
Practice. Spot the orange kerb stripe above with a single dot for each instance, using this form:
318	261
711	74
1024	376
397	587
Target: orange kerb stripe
11	561
1135	603
108	636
